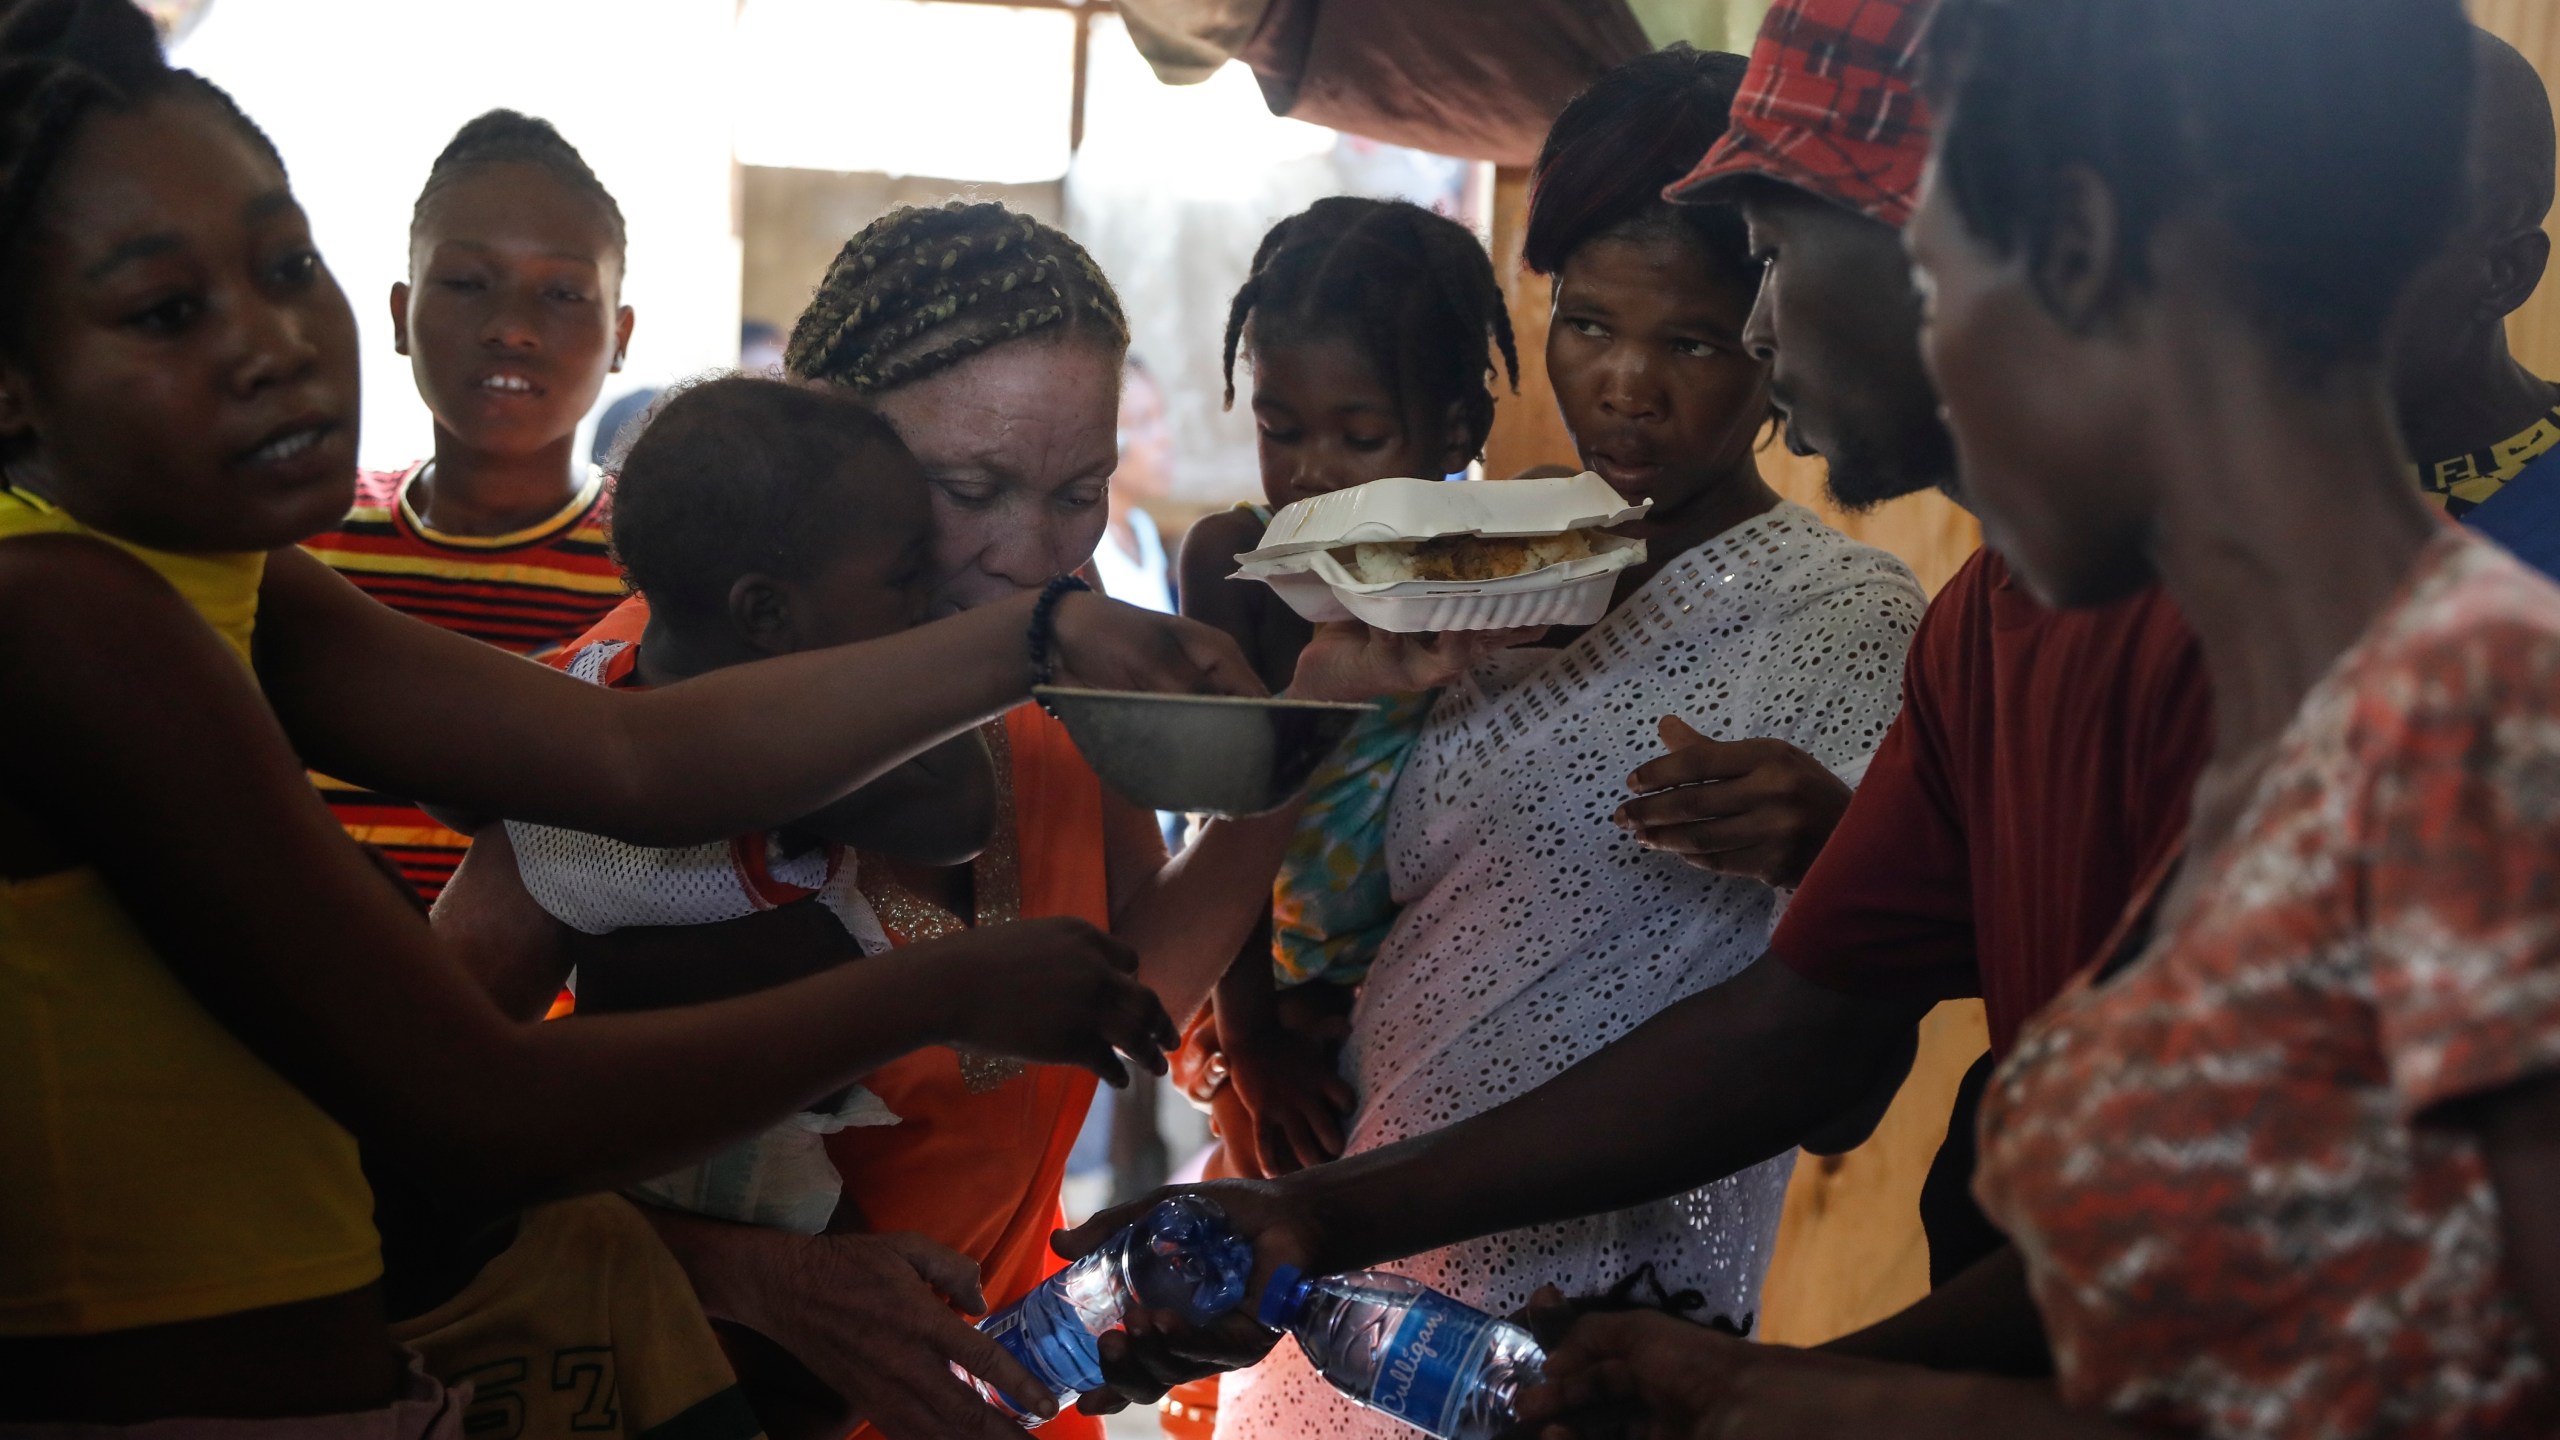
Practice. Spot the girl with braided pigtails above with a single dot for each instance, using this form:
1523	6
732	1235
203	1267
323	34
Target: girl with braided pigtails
1373	329
994	348
209	997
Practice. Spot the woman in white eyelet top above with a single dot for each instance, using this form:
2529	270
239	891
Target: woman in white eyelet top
1534	931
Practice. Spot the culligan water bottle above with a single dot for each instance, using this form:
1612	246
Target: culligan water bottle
1406	1350
1180	1256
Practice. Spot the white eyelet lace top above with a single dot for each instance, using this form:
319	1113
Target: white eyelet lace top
1534	932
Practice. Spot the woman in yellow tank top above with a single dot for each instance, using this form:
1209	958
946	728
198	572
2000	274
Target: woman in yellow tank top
208	996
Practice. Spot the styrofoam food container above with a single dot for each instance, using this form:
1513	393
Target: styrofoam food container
1294	558
1573	593
1409	509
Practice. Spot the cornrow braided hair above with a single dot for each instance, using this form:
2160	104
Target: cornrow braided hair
508	137
62	61
1413	289
923	288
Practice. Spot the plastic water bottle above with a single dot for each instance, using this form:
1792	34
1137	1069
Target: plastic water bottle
1180	1256
1403	1349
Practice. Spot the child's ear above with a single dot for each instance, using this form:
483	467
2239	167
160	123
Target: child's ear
2516	267
400	316
621	337
760	614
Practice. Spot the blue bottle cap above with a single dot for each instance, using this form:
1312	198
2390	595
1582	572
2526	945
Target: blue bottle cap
1281	1298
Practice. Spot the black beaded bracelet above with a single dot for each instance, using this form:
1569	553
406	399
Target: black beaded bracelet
1043	637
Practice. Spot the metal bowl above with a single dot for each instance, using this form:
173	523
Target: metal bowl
1221	754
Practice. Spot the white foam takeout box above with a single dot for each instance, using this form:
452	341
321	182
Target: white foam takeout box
1295	558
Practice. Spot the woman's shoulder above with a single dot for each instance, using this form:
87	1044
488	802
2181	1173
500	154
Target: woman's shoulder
1217	538
1827	549
1209	551
2473	642
80	586
1788	552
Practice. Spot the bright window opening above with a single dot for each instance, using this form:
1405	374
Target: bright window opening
905	87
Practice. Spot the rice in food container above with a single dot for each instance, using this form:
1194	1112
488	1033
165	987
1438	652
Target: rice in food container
1462	557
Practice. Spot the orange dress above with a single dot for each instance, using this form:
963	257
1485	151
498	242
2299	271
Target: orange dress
980	1149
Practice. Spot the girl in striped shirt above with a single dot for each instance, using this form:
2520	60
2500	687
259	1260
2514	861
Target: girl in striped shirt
511	319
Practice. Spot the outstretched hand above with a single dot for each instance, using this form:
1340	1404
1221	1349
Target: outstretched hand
1053	990
1298	1102
1102	644
1757	808
1645	1375
1350	661
1639	1374
870	1317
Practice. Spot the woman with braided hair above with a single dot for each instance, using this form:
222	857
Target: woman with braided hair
1377	328
994	347
209	997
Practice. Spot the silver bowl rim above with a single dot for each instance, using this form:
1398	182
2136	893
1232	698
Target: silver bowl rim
1263	702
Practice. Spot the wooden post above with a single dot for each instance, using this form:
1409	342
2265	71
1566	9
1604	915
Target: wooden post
2533	27
1084	68
1527	428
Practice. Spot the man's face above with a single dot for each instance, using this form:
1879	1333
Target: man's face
1838	324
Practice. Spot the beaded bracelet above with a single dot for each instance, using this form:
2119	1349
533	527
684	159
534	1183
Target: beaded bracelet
1042	639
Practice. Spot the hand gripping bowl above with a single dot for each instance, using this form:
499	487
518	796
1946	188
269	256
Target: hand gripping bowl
1222	754
1304	553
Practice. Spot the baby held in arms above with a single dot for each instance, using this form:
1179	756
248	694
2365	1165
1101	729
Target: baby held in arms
757	518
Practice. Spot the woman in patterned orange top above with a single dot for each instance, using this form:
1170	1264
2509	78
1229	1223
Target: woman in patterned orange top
2287	1164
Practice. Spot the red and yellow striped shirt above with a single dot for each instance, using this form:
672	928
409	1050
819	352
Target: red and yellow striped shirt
530	592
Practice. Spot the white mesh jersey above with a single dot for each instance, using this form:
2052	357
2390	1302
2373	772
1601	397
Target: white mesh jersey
1533	931
596	885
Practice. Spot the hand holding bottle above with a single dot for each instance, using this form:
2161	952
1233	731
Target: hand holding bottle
1181	1256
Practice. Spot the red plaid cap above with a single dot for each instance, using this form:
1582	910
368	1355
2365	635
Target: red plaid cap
1828	107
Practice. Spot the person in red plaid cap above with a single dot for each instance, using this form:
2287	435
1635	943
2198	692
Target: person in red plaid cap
2037	778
